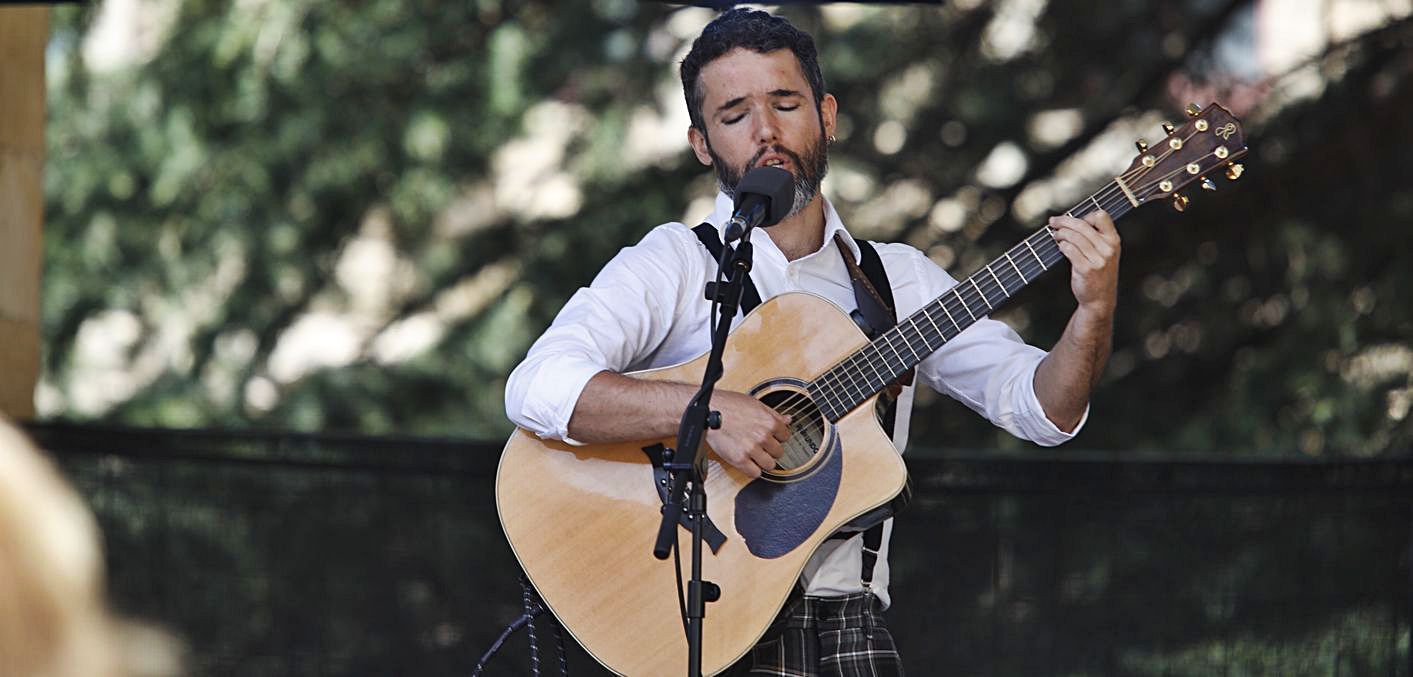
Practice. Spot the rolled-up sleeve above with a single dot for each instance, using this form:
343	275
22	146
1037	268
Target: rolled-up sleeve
991	370
614	322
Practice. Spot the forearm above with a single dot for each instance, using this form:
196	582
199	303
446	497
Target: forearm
618	408
1065	378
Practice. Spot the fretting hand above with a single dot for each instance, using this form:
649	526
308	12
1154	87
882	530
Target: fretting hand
1092	246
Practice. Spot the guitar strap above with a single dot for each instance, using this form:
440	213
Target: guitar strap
875	315
750	298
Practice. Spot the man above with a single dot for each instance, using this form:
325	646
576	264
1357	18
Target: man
756	97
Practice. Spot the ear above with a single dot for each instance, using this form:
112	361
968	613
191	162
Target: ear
699	145
829	114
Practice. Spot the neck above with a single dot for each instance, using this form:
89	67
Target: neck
871	368
802	233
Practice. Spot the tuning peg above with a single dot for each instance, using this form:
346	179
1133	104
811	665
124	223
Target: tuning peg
1180	202
1193	110
1207	184
1142	145
1167	128
1234	170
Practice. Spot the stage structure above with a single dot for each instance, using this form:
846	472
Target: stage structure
23	33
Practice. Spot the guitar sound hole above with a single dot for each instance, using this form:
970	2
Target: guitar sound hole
806	427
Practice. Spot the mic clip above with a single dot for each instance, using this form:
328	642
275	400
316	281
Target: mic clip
735	229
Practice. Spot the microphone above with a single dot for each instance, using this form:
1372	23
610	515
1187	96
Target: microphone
764	196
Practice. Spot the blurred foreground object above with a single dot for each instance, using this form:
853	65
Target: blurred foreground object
53	617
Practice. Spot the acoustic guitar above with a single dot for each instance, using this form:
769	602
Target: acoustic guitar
582	520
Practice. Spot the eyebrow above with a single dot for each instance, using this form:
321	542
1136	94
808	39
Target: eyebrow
776	93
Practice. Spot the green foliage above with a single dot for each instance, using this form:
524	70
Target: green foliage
222	191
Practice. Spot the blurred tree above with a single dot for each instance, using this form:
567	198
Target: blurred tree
357	215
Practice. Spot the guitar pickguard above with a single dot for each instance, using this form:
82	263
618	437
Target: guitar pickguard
775	517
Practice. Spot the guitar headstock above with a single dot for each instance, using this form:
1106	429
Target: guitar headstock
1209	141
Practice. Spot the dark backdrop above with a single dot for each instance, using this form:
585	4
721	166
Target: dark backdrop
290	554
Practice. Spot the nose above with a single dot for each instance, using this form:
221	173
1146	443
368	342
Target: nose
767	126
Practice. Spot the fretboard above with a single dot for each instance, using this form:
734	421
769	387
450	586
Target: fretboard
868	371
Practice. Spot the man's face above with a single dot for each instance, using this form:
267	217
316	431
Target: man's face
759	110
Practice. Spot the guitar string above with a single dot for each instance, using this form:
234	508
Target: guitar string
963	294
797	404
1116	206
838	393
800	400
1107	195
840	389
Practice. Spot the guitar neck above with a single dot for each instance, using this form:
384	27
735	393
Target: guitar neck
869	370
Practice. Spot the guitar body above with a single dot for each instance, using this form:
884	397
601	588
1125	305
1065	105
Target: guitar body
582	520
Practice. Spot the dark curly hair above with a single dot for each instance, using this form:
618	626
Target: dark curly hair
757	31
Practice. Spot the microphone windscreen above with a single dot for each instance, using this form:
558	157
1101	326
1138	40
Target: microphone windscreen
773	184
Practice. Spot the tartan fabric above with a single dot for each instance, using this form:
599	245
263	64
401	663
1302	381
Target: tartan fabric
825	636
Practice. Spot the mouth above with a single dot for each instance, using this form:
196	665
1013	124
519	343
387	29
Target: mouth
773	160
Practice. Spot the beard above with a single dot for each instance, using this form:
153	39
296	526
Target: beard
809	171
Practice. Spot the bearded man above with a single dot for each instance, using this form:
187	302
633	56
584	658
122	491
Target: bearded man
756	97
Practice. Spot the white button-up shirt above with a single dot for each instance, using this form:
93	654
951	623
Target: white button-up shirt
645	309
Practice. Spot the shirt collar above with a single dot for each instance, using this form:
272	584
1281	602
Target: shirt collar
832	225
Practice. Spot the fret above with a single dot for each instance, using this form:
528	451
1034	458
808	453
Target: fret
841	406
1037	256
884	374
909	344
855	391
815	395
841	382
972	280
895	352
888	336
1053	248
818	394
920	334
841	386
928	315
943	306
870	369
841	395
998	281
916	332
964	304
1018	270
870	366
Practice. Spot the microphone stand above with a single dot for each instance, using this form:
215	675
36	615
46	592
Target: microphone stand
691	477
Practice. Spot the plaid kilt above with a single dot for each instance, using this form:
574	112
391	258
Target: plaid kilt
816	636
